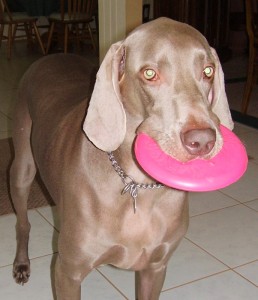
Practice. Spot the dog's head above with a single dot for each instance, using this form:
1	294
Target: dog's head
166	81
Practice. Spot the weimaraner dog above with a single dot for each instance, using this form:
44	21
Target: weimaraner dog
163	80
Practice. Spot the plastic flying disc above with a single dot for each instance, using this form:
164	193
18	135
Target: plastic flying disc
198	174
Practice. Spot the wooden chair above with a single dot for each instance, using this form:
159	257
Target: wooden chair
17	21
75	17
252	32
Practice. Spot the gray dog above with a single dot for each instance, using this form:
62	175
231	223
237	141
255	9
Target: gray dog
163	80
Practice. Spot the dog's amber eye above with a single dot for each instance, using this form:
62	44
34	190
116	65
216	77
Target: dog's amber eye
208	72
149	74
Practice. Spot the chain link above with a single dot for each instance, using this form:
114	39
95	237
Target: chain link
131	186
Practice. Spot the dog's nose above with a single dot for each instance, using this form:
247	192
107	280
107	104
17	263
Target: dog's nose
199	141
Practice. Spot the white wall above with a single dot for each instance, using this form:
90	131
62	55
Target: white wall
116	19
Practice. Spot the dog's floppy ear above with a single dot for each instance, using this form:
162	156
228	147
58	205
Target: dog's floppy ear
105	122
219	98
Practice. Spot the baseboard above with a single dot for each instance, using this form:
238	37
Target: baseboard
244	119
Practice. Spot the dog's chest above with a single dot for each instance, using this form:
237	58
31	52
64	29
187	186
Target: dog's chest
134	240
140	236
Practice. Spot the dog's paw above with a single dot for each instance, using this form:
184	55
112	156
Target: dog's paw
21	272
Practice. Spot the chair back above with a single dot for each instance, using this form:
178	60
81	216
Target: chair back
5	14
251	19
1	10
75	8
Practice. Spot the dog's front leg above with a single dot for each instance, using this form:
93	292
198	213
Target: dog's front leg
68	278
149	283
67	281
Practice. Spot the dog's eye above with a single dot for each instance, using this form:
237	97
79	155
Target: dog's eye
150	74
208	72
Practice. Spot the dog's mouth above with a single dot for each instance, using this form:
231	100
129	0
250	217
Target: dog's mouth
188	139
192	144
194	175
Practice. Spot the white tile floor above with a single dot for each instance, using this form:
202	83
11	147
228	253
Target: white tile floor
218	258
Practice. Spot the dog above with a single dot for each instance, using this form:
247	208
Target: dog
163	80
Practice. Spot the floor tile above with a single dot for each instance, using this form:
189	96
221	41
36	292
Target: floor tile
5	126
253	204
250	272
43	237
240	128
246	189
38	287
7	103
94	287
123	279
5	135
248	139
200	203
15	68
224	286
50	214
5	83
229	234
190	263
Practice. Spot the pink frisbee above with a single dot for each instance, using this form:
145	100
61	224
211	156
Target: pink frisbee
195	175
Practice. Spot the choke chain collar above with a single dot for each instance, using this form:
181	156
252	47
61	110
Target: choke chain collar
131	186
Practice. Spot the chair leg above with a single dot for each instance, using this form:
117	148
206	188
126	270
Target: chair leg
77	35
66	38
38	38
1	33
28	34
50	35
92	38
9	41
14	32
249	81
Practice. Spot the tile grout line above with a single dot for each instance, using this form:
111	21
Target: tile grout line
111	283
32	259
215	210
229	268
245	264
244	278
196	280
6	116
36	209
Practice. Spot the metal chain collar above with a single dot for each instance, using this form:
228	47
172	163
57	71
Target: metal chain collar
131	186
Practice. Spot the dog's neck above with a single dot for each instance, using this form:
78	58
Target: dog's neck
131	186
